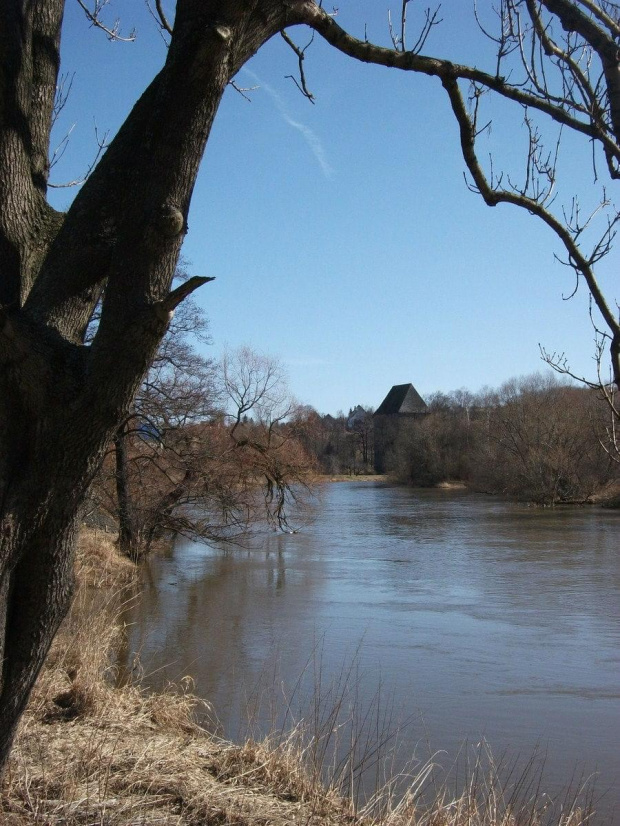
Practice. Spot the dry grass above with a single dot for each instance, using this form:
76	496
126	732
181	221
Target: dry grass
92	754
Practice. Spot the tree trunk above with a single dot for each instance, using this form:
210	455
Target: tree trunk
61	402
33	602
42	494
127	533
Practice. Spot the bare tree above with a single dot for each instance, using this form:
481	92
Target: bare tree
540	442
554	59
361	425
207	451
156	464
264	428
62	400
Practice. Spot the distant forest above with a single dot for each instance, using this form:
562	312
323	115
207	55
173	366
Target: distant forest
537	439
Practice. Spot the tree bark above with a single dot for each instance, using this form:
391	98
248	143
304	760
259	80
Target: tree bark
127	539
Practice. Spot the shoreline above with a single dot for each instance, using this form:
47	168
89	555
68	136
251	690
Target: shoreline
607	497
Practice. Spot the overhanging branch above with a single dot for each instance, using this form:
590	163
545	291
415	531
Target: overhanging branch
493	196
315	17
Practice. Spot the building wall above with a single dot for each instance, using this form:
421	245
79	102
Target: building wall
386	431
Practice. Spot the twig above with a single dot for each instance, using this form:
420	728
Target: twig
301	84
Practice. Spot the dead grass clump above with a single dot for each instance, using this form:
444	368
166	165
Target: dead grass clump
175	708
118	767
278	769
98	563
493	795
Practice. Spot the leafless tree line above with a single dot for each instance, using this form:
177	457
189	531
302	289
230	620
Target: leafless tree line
536	439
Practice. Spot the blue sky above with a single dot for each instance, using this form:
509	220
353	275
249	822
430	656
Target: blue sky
342	235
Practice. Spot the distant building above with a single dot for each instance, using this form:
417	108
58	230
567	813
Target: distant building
400	407
356	417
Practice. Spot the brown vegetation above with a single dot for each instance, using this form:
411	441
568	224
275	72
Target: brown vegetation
342	446
536	439
88	752
207	449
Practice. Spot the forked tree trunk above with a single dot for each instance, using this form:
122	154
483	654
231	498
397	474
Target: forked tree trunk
61	402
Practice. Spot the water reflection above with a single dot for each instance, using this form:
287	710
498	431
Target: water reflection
480	617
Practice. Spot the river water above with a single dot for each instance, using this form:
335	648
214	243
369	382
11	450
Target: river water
467	617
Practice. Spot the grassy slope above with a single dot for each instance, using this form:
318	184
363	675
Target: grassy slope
90	753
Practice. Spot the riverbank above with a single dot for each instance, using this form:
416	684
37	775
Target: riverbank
382	478
91	753
353	477
607	495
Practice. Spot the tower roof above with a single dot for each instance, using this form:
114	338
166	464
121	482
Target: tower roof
402	399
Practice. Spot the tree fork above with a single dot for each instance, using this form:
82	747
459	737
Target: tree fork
61	402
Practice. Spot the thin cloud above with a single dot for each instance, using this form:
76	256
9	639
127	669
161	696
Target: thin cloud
309	361
311	138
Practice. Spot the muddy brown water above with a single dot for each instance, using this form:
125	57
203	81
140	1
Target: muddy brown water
465	616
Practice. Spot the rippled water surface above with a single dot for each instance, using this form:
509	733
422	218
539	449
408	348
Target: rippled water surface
478	618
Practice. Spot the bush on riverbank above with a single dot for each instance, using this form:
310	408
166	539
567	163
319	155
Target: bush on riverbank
88	752
536	439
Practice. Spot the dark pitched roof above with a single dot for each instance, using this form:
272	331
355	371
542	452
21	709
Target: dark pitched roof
402	398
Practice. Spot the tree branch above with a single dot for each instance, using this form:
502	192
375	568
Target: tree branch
301	84
315	17
95	18
493	196
604	44
172	301
164	20
599	13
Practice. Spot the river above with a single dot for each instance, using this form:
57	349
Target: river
468	617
